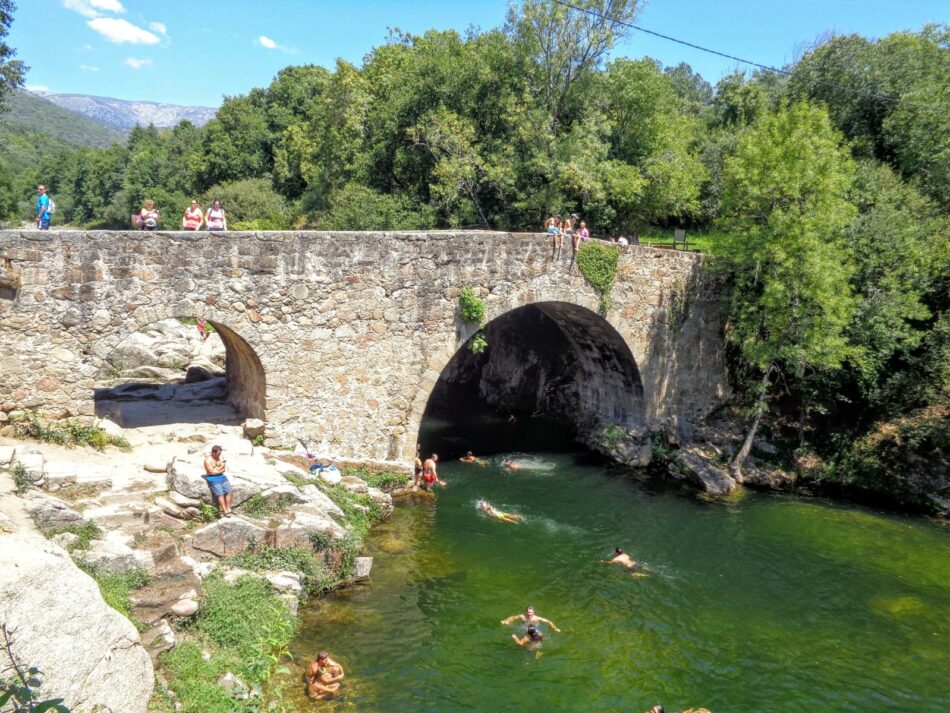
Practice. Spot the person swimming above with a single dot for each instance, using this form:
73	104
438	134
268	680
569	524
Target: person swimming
490	509
532	638
530	618
624	560
510	465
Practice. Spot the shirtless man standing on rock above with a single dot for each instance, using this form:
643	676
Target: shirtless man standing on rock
430	474
323	676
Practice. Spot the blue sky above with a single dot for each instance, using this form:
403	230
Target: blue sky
196	51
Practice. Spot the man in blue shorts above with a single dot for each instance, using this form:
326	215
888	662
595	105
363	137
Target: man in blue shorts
42	208
221	490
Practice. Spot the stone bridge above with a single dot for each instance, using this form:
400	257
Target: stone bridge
339	338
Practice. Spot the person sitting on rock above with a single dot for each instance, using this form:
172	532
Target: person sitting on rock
221	490
323	675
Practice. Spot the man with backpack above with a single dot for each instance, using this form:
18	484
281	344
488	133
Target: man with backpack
44	208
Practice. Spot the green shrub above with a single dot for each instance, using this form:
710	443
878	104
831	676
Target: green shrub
612	434
471	309
23	479
262	558
247	622
598	264
251	201
194	681
478	343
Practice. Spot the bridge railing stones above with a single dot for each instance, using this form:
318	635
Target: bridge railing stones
349	332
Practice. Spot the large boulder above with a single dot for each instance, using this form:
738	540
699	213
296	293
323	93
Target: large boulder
253	427
248	476
297	529
321	500
362	566
168	344
113	555
90	655
696	467
51	513
227	536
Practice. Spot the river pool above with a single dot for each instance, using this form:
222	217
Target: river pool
760	603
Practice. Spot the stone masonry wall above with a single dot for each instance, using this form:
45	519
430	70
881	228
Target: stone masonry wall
337	337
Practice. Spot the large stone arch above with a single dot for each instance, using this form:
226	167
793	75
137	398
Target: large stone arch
246	378
612	389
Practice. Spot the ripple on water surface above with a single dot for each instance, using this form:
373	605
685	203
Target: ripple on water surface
760	604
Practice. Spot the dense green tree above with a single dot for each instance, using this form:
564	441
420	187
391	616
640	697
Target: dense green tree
785	209
12	71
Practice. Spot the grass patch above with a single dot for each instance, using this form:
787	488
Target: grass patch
66	433
115	588
699	240
258	506
297	480
315	577
86	533
246	628
384	480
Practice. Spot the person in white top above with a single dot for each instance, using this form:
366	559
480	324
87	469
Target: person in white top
215	218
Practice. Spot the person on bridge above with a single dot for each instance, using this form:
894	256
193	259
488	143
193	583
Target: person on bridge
42	208
149	215
193	218
221	490
553	226
215	219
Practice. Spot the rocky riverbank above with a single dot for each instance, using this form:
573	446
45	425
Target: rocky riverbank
140	522
894	466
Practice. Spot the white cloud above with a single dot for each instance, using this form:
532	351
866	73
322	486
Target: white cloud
159	27
136	63
88	68
122	31
37	88
268	43
91	8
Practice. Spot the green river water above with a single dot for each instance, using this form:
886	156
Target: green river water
762	603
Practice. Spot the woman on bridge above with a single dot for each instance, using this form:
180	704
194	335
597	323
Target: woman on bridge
215	219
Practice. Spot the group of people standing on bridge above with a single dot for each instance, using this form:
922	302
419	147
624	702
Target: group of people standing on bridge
213	219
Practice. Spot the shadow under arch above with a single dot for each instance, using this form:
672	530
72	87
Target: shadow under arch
555	364
244	387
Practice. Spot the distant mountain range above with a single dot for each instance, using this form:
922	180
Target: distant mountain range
28	114
122	115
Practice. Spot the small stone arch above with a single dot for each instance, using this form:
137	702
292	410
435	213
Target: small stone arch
612	385
246	378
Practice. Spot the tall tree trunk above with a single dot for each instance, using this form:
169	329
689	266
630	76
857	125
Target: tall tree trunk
735	467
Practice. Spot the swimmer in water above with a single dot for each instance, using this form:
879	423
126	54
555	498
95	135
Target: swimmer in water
530	618
624	560
490	509
532	638
510	465
469	458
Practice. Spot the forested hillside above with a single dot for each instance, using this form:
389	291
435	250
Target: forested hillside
829	184
29	112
